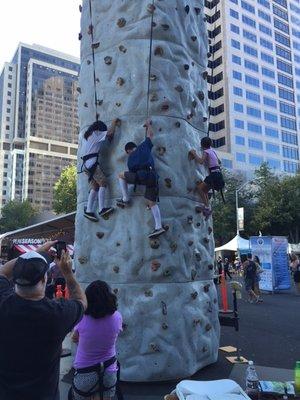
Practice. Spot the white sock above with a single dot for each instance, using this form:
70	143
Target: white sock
124	189
157	217
91	200
101	197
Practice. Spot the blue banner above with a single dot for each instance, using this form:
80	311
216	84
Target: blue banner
282	277
261	246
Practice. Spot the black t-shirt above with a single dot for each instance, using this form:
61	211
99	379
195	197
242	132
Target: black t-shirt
250	272
31	336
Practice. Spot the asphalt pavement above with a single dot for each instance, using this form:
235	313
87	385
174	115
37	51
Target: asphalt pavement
269	335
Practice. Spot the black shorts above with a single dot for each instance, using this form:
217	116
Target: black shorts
215	181
145	178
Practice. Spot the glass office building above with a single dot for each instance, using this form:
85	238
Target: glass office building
41	86
254	73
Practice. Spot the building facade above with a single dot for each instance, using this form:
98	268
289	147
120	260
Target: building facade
254	77
38	122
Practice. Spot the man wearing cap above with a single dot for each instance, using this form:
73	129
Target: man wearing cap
32	327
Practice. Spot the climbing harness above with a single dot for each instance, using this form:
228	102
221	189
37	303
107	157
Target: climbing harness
100	370
90	171
93	55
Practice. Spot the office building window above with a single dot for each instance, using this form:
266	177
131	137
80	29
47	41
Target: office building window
216	110
295	32
285	67
237	75
217	126
264	16
270	102
240	140
282	26
270	117
272	132
290	152
226	163
252	96
250	80
238	107
267	58
234	1
215	63
288	123
236	59
239	124
253	112
280	13
265	43
250	36
282	3
219	142
269	87
235	44
255	160
216	95
290	167
213	34
267	72
240	157
248	7
237	91
273	163
264	3
272	148
254	128
289	137
285	80
265	29
281	52
251	65
249	21
234	28
255	144
234	14
286	94
250	50
286	108
282	39
215	47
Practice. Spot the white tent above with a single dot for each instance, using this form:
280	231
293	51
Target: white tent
237	243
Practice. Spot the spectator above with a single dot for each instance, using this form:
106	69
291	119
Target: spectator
295	267
32	327
96	335
220	268
259	271
249	267
226	268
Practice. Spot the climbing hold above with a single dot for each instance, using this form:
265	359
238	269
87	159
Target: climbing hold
211	267
164	107
168	183
204	349
201	95
194	103
121	22
86	105
153	77
165	326
160	129
165	27
198	255
99	102
78	89
177	124
194	38
208	55
95	45
194	295
154	243
197	10
89	62
155	265
120	81
118	244
118	104
148	293
118	122
208	327
186	67
154	347
198	209
173	246
82	259
193	274
190	116
151	8
122	49
154	97
206	288
215	301
205	119
90	30
79	36
108	60
124	326
161	150
198	224
97	80
154	24
205	75
179	88
166	227
158	51
116	291
100	235
167	273
164	308
196	322
190	243
206	240
80	8
210	230
116	269
187	9
190	219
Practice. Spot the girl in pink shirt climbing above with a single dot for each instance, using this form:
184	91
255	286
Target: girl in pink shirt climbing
215	179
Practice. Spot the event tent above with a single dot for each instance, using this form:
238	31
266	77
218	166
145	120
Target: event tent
236	244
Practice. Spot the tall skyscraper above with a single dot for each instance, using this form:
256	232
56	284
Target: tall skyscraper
255	82
38	123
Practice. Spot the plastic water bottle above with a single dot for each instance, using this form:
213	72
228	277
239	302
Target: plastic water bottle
252	383
297	377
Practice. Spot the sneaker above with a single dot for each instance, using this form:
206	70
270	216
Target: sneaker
122	203
91	216
106	211
156	232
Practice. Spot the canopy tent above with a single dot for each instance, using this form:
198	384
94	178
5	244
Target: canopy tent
236	244
25	248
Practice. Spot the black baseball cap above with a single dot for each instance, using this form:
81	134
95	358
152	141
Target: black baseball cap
29	269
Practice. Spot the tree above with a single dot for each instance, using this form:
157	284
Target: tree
16	215
65	191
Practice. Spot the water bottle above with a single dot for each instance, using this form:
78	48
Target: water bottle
252	383
297	377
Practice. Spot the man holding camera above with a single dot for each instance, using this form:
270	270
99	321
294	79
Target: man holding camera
32	327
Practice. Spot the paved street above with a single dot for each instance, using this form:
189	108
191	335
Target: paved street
269	335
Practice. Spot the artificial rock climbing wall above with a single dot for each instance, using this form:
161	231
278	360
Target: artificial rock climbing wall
141	58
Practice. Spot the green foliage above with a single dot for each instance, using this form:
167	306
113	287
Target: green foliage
65	191
16	215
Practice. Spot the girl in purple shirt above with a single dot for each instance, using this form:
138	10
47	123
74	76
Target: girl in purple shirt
96	335
215	179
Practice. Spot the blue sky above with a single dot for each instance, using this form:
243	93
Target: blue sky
50	23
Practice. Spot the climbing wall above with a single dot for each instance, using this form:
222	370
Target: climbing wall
138	59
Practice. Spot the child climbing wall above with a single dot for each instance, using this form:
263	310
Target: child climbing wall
145	59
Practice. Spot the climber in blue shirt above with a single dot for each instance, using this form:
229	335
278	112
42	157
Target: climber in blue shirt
141	171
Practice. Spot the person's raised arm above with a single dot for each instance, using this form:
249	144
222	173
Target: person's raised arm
194	156
149	130
75	291
111	131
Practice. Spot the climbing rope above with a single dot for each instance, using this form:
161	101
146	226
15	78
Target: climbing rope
150	59
93	53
